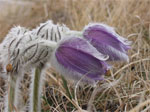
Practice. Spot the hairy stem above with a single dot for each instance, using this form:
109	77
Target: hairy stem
36	90
10	103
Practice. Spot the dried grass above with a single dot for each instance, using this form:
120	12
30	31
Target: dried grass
127	85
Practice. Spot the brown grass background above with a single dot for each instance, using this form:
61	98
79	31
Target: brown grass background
131	18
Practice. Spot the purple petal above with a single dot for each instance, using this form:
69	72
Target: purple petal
75	54
79	43
107	41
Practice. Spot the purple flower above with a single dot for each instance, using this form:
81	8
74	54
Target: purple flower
75	58
107	41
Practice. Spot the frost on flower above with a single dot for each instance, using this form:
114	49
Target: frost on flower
75	58
107	41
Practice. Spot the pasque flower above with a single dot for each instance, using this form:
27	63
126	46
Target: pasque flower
10	47
50	31
25	50
107	41
21	47
75	58
10	65
76	55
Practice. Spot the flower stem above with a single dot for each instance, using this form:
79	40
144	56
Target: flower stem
10	106
36	89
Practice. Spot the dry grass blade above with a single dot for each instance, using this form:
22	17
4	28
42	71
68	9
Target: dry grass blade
141	105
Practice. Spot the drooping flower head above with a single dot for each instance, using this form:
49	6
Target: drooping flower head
9	47
23	47
50	31
107	41
75	58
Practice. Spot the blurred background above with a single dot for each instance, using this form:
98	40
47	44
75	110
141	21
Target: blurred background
131	19
124	15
